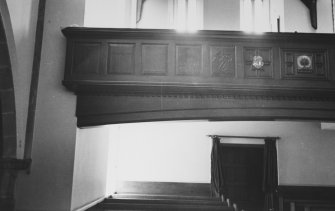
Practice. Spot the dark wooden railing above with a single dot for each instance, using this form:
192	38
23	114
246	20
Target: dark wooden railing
306	198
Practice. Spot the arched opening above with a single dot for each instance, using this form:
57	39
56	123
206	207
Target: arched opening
9	164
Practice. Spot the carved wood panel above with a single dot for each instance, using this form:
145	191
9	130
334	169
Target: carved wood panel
306	64
188	60
121	58
222	61
86	58
154	59
258	62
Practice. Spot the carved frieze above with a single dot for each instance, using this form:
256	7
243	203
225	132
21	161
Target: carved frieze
222	61
188	60
309	64
121	58
154	59
258	62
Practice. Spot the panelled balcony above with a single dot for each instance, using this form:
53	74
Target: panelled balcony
280	71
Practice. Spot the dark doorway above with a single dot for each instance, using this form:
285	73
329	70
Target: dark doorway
243	173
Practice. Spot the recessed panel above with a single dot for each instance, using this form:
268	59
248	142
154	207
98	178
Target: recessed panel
121	58
304	64
154	59
258	62
188	60
222	61
86	58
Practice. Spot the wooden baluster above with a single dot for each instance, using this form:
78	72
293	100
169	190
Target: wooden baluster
292	206
228	202
222	198
235	207
281	203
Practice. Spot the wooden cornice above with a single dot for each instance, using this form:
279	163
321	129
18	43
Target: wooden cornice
97	88
148	34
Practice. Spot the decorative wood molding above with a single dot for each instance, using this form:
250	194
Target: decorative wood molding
306	65
258	62
222	61
227	91
166	34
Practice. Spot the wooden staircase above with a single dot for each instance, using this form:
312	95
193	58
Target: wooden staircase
136	202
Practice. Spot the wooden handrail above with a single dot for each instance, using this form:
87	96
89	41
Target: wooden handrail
251	137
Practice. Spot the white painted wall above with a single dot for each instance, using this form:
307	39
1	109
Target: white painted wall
297	17
163	152
277	11
122	14
306	155
222	15
90	166
109	13
49	185
23	15
155	14
180	151
217	15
